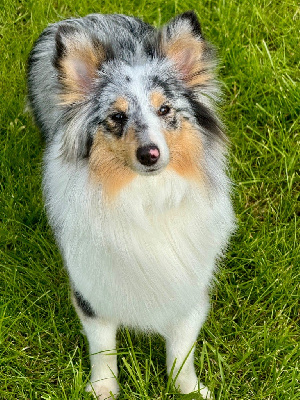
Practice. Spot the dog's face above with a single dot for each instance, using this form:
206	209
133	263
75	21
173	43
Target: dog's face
136	110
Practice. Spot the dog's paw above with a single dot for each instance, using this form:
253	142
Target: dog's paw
205	393
102	389
196	392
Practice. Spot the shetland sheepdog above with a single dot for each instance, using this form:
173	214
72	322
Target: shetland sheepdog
134	179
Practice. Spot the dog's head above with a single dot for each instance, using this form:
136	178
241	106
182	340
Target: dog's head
137	105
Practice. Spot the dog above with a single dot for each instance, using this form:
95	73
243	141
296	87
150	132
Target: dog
134	180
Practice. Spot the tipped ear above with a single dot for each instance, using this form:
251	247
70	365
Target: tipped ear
185	22
78	57
182	42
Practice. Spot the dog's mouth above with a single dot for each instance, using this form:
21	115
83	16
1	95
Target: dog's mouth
150	171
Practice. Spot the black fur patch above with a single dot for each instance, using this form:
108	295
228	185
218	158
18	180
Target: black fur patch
89	144
169	87
63	30
193	20
114	128
84	305
152	46
205	118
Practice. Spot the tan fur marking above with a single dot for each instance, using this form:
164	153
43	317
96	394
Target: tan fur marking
199	79
76	85
110	162
121	104
186	52
157	99
185	151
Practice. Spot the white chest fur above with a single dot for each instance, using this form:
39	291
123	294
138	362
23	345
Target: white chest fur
147	257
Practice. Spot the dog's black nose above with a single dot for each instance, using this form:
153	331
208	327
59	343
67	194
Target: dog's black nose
148	155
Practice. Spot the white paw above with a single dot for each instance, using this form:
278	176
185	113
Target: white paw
197	388
103	389
205	393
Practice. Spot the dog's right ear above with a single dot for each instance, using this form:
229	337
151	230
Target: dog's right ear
78	57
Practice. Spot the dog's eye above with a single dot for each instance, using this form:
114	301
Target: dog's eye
164	110
119	117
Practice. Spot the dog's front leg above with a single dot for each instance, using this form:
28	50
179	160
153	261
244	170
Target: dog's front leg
180	346
101	335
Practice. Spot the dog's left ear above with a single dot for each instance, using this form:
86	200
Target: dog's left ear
182	42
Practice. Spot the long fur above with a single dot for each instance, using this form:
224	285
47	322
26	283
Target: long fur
140	245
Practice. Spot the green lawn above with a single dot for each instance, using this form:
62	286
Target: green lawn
249	347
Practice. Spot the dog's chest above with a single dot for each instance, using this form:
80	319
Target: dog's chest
145	274
144	258
146	255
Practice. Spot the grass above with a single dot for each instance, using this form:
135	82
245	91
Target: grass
249	347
